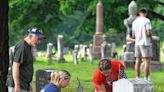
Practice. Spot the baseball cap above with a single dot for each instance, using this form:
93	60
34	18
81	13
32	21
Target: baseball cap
37	31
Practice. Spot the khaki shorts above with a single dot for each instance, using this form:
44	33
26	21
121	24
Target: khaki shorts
143	51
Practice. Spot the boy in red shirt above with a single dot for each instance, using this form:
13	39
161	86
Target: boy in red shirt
107	72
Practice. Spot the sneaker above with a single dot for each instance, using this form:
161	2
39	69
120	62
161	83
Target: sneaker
138	78
147	78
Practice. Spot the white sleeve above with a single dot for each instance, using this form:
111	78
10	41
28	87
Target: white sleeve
148	25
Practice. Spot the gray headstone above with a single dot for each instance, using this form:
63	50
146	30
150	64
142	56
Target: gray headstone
113	50
42	78
105	50
156	48
49	50
74	54
90	54
132	85
128	57
60	47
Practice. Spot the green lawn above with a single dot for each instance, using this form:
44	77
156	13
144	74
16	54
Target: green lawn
84	71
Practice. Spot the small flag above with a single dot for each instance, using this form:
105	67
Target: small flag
80	87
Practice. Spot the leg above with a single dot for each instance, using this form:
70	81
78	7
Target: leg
137	66
146	67
147	54
138	61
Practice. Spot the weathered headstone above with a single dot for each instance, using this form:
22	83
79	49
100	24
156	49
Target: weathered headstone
66	50
80	51
155	61
90	54
132	85
98	39
106	48
84	52
60	47
113	50
49	51
42	78
129	59
74	54
156	48
132	9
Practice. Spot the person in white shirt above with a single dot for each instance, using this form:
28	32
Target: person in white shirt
141	28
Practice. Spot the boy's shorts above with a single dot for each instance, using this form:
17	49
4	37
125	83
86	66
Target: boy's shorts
143	51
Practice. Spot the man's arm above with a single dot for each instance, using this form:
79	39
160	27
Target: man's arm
16	77
149	33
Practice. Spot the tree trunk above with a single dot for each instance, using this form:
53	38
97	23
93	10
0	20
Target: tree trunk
4	37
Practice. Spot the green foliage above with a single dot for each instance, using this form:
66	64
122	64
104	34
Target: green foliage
75	19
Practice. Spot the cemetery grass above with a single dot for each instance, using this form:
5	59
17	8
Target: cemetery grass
84	71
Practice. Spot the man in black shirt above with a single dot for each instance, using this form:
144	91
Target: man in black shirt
21	72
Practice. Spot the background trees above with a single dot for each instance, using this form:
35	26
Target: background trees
75	19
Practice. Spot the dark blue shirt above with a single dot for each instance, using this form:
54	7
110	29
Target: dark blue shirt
51	87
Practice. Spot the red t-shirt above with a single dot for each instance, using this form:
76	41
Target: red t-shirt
99	78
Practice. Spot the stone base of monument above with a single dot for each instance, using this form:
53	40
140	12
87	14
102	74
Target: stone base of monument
132	85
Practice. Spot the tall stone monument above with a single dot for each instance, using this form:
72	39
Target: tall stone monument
60	47
132	9
98	36
128	56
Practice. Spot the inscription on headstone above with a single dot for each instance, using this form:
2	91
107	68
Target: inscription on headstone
132	85
42	78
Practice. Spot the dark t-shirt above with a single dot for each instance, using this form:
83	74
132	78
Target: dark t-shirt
23	55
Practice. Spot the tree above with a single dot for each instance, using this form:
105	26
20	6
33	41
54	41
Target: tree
3	44
73	18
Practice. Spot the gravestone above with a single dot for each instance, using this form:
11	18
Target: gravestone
106	48
113	50
97	38
74	54
156	48
82	54
66	50
80	51
42	78
60	47
49	51
132	85
129	59
90	54
132	9
155	61
128	56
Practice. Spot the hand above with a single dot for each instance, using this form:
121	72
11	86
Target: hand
30	88
17	88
